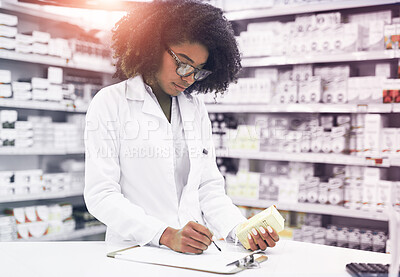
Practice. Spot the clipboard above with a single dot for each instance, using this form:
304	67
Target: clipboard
225	262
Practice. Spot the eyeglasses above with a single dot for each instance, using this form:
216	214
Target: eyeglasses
185	69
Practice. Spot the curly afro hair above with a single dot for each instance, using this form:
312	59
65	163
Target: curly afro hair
140	38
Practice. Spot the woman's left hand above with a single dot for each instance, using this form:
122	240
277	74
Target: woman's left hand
263	239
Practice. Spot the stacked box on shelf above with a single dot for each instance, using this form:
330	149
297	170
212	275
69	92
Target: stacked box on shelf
40	221
5	83
8	133
8	228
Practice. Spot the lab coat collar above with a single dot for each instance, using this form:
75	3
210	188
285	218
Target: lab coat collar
136	90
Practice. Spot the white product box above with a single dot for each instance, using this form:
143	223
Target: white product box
302	72
326	21
7	31
5	76
21	86
41	37
389	139
376	35
40	83
310	91
369	199
5	91
22	95
286	92
8	117
22	48
383	70
8	19
23	143
54	93
7	43
374	124
397	145
40	48
24	39
55	75
39	94
384	194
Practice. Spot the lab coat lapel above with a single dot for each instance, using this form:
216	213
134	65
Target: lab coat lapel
136	90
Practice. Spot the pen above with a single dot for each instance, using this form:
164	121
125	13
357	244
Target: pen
213	241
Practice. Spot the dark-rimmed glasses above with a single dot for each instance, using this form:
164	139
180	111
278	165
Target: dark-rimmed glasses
185	69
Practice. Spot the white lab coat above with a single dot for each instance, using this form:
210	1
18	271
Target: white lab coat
129	178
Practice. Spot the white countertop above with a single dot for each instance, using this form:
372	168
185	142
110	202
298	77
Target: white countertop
76	259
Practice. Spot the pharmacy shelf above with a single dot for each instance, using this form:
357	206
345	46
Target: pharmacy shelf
312	208
39	151
39	105
303	157
77	234
36	11
53	61
39	196
304	8
302	108
320	58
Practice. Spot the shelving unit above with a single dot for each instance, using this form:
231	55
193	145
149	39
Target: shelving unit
313	208
25	66
77	234
363	63
40	196
320	58
305	157
303	108
39	151
305	8
39	105
52	61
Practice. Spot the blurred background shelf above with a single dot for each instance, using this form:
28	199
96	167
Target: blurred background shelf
302	108
39	105
39	151
303	157
304	8
76	235
39	196
312	208
320	58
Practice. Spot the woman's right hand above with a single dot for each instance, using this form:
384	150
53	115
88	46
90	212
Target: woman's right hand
192	238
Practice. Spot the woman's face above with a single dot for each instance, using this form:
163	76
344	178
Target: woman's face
167	79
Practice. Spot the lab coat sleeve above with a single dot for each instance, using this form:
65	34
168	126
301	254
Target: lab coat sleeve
102	193
217	207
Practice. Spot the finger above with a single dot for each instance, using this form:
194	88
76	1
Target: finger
258	239
253	245
201	229
191	233
274	235
267	237
190	249
195	244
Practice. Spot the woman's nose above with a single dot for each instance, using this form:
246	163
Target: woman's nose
189	79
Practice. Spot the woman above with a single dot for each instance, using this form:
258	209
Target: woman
151	174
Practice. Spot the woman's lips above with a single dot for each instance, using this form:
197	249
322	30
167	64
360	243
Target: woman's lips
181	88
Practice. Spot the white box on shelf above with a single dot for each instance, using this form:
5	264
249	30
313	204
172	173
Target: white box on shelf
374	124
55	75
7	31
388	143
384	194
41	37
21	86
40	83
40	48
5	91
22	48
24	39
7	43
8	19
5	76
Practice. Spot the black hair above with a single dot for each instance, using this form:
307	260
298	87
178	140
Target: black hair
140	38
